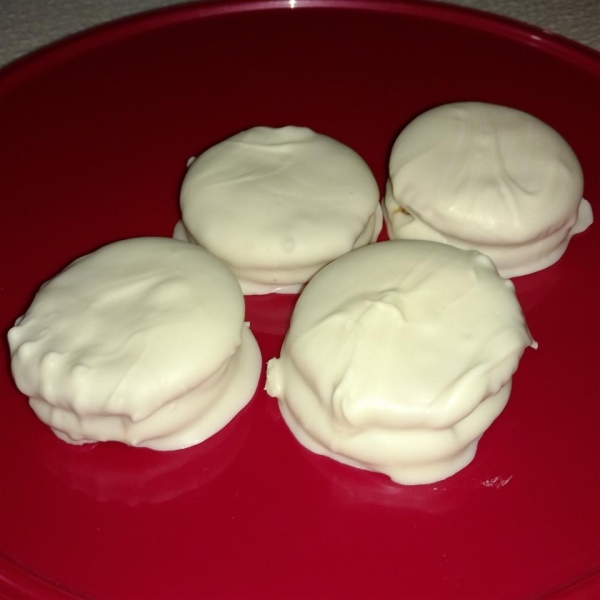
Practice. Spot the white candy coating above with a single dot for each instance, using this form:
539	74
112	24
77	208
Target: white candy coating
142	342
276	205
487	177
399	356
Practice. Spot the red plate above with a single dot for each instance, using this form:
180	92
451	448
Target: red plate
95	134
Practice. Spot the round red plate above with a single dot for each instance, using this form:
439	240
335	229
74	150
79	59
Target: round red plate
94	138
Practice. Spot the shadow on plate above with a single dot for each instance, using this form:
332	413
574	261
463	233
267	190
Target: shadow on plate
111	471
532	289
271	313
349	486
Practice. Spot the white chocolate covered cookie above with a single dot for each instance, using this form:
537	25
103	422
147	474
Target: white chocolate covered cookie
142	341
276	205
399	357
487	177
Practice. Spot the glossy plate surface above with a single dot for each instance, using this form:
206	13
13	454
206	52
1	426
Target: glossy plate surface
94	138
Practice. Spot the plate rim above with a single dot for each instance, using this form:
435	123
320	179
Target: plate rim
20	70
16	580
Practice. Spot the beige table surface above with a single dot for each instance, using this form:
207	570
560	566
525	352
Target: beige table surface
29	24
